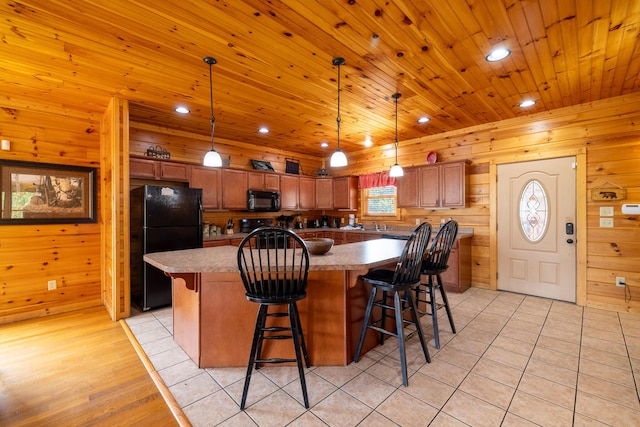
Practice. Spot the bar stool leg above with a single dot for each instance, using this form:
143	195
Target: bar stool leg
445	301
399	331
365	323
256	345
296	333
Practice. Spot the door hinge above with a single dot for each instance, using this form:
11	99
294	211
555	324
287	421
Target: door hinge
496	275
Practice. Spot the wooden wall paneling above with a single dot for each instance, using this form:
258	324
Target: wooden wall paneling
115	209
33	254
604	138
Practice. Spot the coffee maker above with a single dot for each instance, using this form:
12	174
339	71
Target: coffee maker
298	224
324	221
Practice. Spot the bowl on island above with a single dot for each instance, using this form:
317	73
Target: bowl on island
318	245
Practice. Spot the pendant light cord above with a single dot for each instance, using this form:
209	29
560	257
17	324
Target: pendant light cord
338	118
213	119
396	97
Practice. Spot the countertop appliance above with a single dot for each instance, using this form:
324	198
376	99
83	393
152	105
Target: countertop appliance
247	225
263	201
313	223
162	219
324	221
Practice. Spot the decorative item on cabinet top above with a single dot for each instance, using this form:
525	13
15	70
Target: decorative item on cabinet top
262	165
292	166
158	152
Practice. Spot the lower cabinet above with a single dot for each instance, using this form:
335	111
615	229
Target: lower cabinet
458	277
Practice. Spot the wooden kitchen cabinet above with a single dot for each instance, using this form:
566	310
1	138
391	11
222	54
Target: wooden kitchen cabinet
265	181
215	243
345	193
307	193
324	193
158	170
407	189
210	180
234	189
458	277
441	185
289	191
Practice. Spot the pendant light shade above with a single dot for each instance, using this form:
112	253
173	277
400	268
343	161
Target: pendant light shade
396	169
338	158
212	158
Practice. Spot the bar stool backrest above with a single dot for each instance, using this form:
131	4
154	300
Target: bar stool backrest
438	255
274	265
410	262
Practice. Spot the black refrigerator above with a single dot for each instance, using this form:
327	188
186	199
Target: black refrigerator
162	219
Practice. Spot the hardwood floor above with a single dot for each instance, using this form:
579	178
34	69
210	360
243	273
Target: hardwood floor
75	369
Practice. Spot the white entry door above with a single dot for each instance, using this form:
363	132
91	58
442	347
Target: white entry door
536	228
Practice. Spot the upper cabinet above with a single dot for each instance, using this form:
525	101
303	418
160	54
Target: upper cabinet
289	191
234	189
324	193
158	169
345	193
263	181
307	193
441	185
210	180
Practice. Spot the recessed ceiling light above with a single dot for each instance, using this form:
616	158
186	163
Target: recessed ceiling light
498	54
367	141
263	130
423	119
527	103
324	144
182	110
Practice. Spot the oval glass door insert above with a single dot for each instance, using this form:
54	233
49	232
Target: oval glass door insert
534	211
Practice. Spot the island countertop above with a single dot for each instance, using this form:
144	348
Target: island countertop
350	256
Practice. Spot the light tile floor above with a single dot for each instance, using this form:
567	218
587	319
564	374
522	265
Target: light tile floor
516	361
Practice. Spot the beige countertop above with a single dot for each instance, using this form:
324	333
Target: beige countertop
351	256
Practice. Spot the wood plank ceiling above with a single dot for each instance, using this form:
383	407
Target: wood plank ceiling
275	62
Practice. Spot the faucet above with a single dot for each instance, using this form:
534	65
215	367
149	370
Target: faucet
376	225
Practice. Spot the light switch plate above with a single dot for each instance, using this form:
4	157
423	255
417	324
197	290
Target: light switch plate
606	211
606	222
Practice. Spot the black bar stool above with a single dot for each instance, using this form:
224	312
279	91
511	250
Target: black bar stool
435	263
403	280
274	264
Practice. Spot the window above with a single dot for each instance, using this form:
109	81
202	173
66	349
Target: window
380	201
534	211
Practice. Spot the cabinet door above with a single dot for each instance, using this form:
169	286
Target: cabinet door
143	168
407	186
324	193
255	180
234	189
271	181
345	192
307	194
289	191
174	171
453	178
429	187
210	181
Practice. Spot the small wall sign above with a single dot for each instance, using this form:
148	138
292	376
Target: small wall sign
608	192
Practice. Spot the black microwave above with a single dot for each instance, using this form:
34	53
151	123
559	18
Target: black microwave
263	201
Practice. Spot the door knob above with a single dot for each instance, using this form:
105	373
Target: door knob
569	240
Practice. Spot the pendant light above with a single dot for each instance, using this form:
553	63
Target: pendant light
338	158
396	169
212	158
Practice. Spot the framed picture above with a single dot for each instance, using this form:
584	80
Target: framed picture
42	193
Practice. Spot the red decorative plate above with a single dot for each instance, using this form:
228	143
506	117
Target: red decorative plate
432	157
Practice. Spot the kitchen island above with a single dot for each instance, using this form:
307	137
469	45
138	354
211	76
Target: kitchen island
213	322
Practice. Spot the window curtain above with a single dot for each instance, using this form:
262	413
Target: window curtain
376	179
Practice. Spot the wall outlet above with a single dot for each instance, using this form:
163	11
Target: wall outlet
620	281
606	222
52	285
417	221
